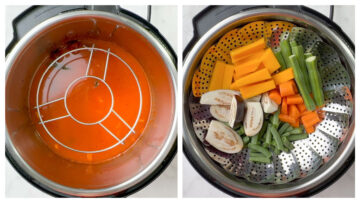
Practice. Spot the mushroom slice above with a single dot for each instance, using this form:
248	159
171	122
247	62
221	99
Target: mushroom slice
223	138
268	105
237	111
254	118
218	97
220	112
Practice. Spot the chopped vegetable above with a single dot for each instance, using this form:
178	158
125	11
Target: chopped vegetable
241	131
284	106
283	128
237	111
288	119
301	107
260	149
283	76
299	78
268	105
260	159
243	69
310	119
228	76
315	80
298	51
246	140
285	51
269	61
242	52
275	96
268	136
223	138
253	119
218	97
293	111
258	76
294	99
280	60
217	77
309	129
287	143
220	112
293	138
256	89
277	138
307	55
275	120
287	88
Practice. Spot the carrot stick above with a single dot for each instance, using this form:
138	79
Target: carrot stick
275	96
287	118
309	129
301	107
295	99
287	88
293	111
310	119
284	106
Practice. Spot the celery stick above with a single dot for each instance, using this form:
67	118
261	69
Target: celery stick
315	80
298	51
280	60
299	78
285	51
307	55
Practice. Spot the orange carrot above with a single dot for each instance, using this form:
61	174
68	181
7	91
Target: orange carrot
301	107
305	113
310	119
254	77
310	129
287	88
256	89
295	99
283	76
287	118
284	106
293	111
296	124
275	96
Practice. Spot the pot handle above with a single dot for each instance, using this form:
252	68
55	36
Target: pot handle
37	14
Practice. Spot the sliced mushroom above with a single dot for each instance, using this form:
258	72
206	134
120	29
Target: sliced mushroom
218	97
254	118
223	138
268	105
237	111
220	112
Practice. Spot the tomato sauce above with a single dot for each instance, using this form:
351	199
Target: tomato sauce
90	114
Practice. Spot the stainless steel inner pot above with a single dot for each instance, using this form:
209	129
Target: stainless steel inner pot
193	147
120	176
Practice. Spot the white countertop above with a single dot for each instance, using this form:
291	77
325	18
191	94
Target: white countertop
196	186
163	17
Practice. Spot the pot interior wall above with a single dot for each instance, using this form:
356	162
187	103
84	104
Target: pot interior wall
28	143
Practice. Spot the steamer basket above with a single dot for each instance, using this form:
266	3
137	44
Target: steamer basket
134	168
314	163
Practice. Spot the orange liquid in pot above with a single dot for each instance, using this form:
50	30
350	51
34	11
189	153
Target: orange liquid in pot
90	114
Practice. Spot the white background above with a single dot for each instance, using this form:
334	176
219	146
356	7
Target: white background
164	18
196	186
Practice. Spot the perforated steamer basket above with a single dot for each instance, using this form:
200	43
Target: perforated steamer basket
314	163
26	150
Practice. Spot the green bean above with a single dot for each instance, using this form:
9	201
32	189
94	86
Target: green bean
293	138
256	154
268	136
299	78
290	128
287	143
260	160
277	151
283	128
275	120
258	148
277	138
255	139
241	131
315	80
281	61
246	139
296	131
285	51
